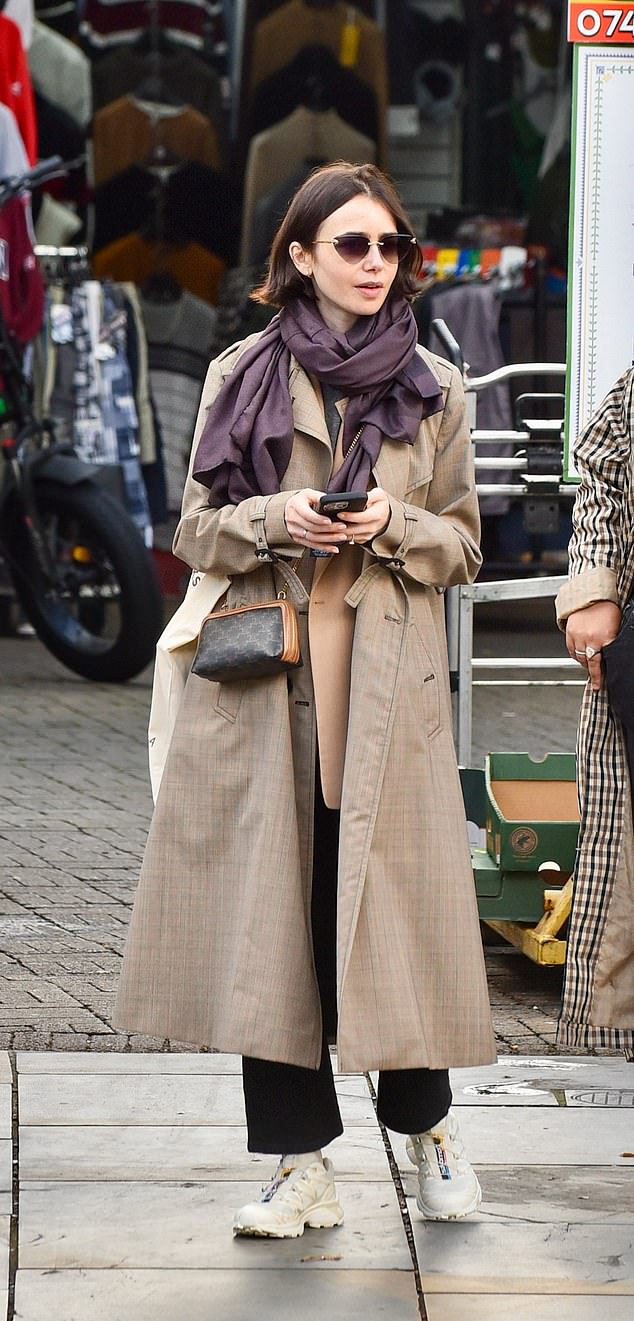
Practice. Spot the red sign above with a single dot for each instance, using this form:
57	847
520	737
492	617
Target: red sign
601	25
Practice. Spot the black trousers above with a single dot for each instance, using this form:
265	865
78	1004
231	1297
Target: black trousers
290	1109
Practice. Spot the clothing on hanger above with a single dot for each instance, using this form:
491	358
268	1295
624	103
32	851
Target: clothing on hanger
16	88
21	11
179	334
54	223
236	314
198	24
278	38
471	310
182	72
127	131
61	72
138	357
134	258
269	210
150	439
21	286
302	136
13	157
84	379
60	135
119	409
190	202
315	79
61	15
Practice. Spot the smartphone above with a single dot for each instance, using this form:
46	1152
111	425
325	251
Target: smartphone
342	502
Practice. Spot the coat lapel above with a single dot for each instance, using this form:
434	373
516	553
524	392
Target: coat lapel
308	412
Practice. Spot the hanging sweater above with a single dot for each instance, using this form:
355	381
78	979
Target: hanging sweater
179	337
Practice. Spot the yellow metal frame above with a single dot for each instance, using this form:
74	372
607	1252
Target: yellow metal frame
541	943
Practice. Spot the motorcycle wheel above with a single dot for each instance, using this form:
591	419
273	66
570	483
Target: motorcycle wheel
104	613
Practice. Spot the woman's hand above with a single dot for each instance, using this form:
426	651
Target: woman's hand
372	521
587	632
309	528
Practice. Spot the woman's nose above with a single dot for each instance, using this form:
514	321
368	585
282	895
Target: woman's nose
374	256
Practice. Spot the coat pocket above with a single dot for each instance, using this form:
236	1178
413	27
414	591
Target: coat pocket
421	466
228	698
426	683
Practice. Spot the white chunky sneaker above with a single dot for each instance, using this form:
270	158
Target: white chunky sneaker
448	1188
298	1195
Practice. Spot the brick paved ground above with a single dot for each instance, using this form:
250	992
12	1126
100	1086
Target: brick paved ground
75	806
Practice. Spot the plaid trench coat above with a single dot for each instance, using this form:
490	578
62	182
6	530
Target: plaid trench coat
219	949
598	999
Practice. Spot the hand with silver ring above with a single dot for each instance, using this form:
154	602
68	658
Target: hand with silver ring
588	631
304	531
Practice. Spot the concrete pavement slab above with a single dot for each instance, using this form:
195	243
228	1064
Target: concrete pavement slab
188	1225
155	1099
476	1256
311	1293
96	1152
518	1307
580	1194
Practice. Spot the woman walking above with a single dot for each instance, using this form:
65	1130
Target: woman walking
598	999
307	875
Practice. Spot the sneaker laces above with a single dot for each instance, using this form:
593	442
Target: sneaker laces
449	1149
280	1177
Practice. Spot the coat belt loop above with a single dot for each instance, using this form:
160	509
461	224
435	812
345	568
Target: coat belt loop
257	518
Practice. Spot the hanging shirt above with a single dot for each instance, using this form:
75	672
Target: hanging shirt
196	23
16	90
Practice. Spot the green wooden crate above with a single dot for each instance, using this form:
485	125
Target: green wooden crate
531	810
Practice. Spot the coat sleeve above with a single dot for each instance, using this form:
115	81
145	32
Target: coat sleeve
224	539
434	536
599	544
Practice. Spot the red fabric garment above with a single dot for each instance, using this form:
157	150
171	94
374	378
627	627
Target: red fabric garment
21	284
16	88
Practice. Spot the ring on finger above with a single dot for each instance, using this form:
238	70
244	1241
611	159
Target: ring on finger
304	531
592	651
580	653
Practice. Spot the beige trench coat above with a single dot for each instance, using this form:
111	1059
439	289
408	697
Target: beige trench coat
219	949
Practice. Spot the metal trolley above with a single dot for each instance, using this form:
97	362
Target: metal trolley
534	468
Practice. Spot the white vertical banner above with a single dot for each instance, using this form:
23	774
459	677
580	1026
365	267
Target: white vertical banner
601	264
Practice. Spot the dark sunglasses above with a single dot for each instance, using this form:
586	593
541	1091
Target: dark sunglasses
355	247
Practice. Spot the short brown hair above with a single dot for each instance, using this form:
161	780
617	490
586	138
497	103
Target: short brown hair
324	191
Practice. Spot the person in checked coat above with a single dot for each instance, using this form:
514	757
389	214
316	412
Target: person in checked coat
307	874
598	997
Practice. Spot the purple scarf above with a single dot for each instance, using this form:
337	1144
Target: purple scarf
246	442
